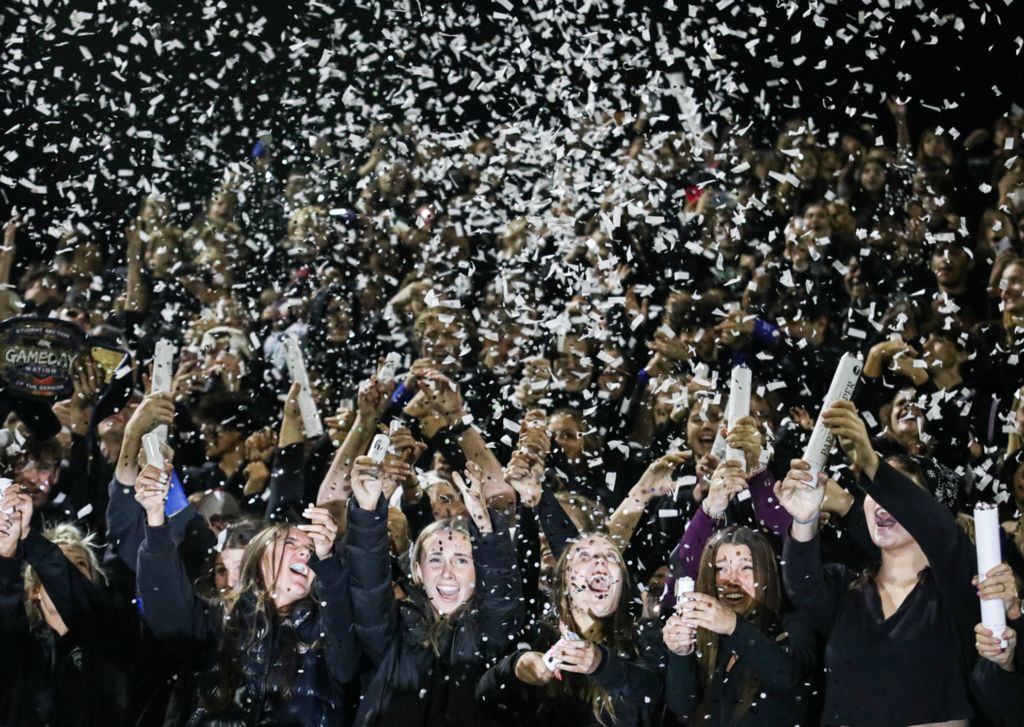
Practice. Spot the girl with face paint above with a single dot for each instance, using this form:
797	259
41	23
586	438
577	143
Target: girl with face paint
604	670
462	608
904	633
736	659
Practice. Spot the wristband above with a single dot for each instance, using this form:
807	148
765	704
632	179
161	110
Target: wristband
808	522
716	516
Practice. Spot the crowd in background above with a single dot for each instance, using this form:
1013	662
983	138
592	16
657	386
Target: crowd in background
552	472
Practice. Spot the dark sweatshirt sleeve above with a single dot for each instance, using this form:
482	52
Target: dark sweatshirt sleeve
287	483
374	608
502	695
555	523
341	651
419	514
527	543
498	588
640	680
80	602
814	589
170	606
1001	693
779	665
15	634
951	556
682	688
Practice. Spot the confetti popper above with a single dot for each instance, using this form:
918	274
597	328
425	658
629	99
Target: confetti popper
177	500
163	375
379	448
683	586
986	540
390	367
5	482
311	424
843	384
738	407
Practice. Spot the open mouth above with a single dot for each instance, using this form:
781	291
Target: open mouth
884	520
301	568
448	593
599	583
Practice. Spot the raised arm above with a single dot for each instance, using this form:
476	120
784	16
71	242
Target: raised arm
135	294
374	608
655	482
372	401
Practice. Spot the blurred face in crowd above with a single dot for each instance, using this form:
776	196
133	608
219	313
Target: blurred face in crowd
219	439
79	558
445	569
594	577
1018	485
441	342
842	220
614	377
735	578
285	567
872	176
934	146
574	367
702	427
941	353
903	419
1011	289
567	435
817	221
227	568
951	264
445	500
339	321
857	285
37	478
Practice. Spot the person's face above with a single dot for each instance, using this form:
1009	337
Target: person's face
857	285
611	382
442	344
446	570
933	146
904	414
218	439
735	579
1011	289
886	533
950	263
998	227
445	501
872	177
702	427
227	569
843	221
941	353
594	576
289	578
1018	484
339	321
573	366
37	480
817	221
762	413
565	430
805	167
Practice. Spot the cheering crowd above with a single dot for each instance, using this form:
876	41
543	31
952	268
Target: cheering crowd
561	526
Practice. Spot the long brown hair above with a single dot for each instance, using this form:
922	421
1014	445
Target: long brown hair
767	605
249	615
616	630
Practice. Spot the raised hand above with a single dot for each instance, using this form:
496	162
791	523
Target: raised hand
704	611
530	669
373	398
15	519
657	478
151	488
259	446
726	481
322	530
800	494
473	496
187	380
155	409
366	483
580	657
843	421
746	436
524	472
679	636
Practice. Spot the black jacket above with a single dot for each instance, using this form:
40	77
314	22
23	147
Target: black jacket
634	683
46	679
191	626
412	685
781	665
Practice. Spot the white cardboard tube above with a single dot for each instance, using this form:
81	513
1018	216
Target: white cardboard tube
684	585
311	424
163	375
843	384
986	540
737	408
151	444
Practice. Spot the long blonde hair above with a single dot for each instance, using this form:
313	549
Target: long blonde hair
64	535
437	624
